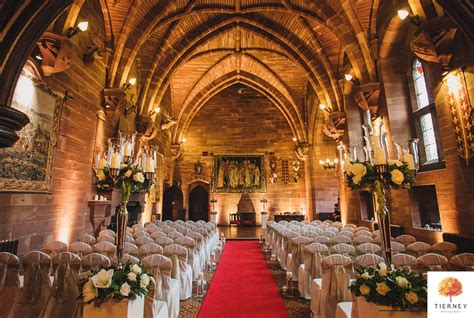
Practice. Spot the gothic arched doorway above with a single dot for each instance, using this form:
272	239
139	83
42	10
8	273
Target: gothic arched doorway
199	204
173	204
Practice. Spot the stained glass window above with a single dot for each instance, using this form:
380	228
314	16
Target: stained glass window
429	138
421	91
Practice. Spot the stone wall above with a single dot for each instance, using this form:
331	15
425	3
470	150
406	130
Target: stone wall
239	123
36	219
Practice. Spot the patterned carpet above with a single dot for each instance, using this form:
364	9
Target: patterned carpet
297	307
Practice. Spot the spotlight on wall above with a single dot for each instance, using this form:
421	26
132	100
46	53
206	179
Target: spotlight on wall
403	14
183	140
81	27
348	77
322	106
131	82
157	110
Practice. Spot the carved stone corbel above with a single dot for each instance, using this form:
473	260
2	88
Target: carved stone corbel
111	98
302	151
56	53
367	96
176	151
433	41
334	125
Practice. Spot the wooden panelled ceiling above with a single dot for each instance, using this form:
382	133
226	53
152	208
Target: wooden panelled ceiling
195	48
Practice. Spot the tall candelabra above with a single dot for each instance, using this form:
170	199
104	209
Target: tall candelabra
129	172
374	170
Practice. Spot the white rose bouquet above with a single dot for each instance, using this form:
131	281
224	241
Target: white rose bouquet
398	288
360	175
130	179
112	282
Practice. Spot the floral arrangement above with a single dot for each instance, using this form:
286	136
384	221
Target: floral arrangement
361	175
113	282
130	178
396	288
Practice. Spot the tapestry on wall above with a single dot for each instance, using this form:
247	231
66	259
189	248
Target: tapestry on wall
238	173
27	166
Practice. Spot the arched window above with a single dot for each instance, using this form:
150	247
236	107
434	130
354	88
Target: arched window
424	113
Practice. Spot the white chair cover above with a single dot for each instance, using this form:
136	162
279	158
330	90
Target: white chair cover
150	249
94	260
154	307
363	232
405	239
418	248
175	235
143	240
63	300
464	261
368	248
321	239
157	234
446	249
397	247
139	233
131	249
36	288
296	256
362	228
193	254
9	282
107	232
180	268
367	260
340	239
80	248
343	248
55	247
431	262
363	239
106	238
105	248
87	238
334	285
311	269
164	241
403	260
166	288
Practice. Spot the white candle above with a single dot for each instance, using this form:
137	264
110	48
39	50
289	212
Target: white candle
102	163
289	275
149	165
115	161
408	158
379	155
128	149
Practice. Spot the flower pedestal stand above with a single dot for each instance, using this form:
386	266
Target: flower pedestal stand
366	309
214	218
116	309
263	220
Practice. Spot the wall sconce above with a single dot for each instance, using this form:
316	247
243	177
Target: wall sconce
183	140
81	27
155	111
131	82
404	13
89	57
329	164
348	77
295	139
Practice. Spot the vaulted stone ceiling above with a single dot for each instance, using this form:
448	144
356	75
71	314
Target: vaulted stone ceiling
192	49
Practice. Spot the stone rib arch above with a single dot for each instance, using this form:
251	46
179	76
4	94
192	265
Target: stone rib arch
157	18
226	81
243	63
317	77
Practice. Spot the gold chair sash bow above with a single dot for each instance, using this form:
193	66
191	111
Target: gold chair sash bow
9	276
315	264
66	282
297	254
157	287
35	277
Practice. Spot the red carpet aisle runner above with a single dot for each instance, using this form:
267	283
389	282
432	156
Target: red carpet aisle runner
243	285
